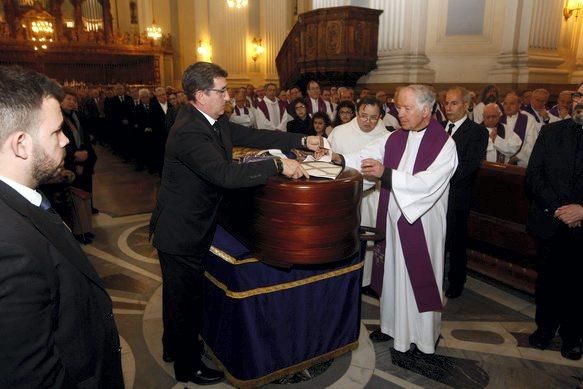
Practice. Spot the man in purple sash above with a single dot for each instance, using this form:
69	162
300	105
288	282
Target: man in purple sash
418	162
522	125
271	112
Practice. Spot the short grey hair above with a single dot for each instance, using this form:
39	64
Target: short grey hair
143	92
424	96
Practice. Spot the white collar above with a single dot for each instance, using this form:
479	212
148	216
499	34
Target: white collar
210	119
30	194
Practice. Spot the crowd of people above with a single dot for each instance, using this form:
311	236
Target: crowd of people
418	151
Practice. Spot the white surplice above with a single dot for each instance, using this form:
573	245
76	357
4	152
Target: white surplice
530	136
348	138
423	195
508	146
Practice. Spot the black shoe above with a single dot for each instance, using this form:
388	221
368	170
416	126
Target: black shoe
167	357
540	340
377	336
571	350
94	211
454	291
90	235
203	376
81	239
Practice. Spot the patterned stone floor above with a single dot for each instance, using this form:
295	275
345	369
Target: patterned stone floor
484	333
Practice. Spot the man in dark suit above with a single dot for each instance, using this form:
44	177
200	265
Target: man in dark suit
554	183
119	111
161	109
57	324
198	167
471	141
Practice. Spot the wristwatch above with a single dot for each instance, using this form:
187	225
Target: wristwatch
279	165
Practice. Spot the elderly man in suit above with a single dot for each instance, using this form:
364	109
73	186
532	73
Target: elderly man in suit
57	325
198	168
471	141
554	182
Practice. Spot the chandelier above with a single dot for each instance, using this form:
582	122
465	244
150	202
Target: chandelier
42	33
154	32
237	3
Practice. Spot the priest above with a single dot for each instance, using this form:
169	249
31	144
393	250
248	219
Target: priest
417	163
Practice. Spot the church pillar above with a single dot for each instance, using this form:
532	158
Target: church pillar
58	14
11	17
274	30
401	45
530	42
107	20
78	16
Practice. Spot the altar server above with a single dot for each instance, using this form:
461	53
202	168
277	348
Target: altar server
352	137
418	162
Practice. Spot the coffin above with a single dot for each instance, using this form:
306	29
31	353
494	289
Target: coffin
297	222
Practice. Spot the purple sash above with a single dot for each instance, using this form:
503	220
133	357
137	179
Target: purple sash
321	105
238	112
555	111
520	127
531	111
415	251
263	107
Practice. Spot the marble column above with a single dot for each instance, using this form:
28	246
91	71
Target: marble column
401	45
228	27
274	30
529	48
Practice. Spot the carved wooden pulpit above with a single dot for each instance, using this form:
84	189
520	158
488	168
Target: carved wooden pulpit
330	44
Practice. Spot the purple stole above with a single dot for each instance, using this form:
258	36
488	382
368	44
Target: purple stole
520	127
555	111
263	107
238	111
531	111
321	105
440	116
415	251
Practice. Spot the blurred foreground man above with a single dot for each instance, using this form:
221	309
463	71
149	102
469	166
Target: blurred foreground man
198	168
554	181
417	163
56	320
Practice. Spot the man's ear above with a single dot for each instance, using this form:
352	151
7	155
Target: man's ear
20	144
426	112
199	95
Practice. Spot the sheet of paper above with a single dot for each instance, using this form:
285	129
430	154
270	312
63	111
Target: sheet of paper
322	169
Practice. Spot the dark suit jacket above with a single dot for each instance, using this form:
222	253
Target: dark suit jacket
56	318
552	179
71	148
471	141
197	169
116	111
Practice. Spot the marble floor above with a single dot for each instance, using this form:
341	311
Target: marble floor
483	338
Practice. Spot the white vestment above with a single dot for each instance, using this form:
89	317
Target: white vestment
507	146
244	119
423	195
348	138
478	113
274	122
530	136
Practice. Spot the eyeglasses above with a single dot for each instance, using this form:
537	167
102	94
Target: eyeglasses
345	112
368	118
300	107
576	95
219	91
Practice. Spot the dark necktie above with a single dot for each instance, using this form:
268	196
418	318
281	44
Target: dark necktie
450	129
45	204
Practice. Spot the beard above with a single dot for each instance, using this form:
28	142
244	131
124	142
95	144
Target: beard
578	114
490	99
44	168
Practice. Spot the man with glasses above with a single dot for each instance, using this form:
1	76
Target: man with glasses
350	138
198	169
554	183
417	163
562	110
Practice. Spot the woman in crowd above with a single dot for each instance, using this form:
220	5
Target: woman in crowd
345	112
301	123
321	124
